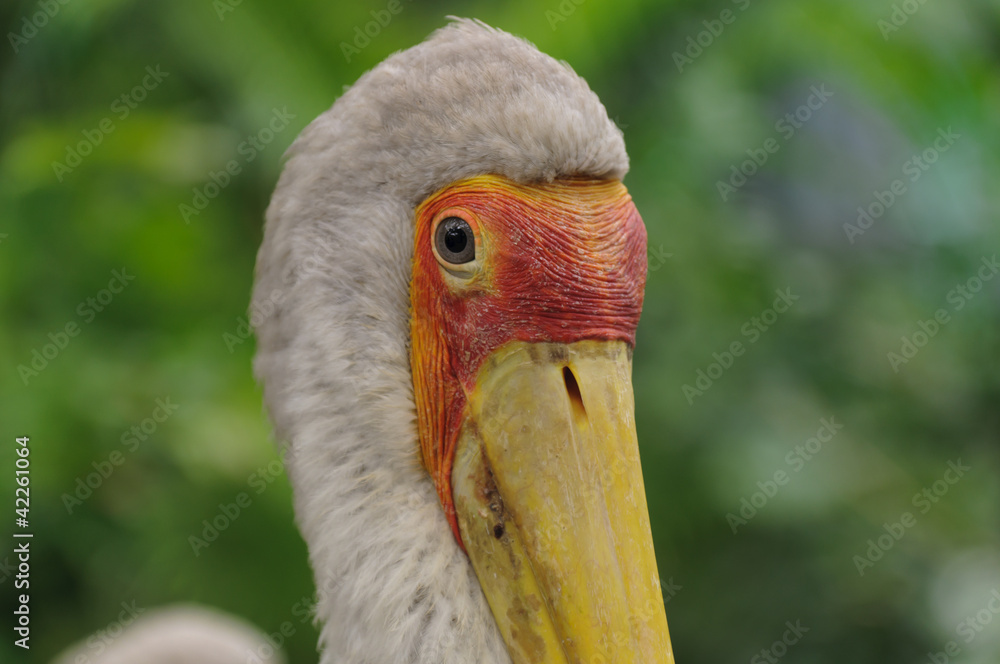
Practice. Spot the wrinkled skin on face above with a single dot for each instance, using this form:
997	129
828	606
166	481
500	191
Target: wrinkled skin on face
560	262
525	300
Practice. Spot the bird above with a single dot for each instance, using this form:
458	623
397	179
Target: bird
448	287
456	273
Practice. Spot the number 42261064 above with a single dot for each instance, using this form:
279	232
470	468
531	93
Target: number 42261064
23	479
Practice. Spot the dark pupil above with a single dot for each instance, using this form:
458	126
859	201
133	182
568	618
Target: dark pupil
455	239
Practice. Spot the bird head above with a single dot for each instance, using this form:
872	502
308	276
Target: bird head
455	274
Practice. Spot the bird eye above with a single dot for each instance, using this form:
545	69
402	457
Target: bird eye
454	241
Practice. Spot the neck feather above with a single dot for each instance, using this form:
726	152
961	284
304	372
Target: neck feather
392	583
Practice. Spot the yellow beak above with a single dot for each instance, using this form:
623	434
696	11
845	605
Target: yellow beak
551	507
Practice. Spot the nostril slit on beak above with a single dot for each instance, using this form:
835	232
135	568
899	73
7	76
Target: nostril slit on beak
573	390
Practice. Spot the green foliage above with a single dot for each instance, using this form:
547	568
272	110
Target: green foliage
731	382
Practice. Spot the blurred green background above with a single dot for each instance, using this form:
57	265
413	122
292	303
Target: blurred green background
740	200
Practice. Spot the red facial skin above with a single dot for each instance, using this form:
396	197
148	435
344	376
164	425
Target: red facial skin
559	262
